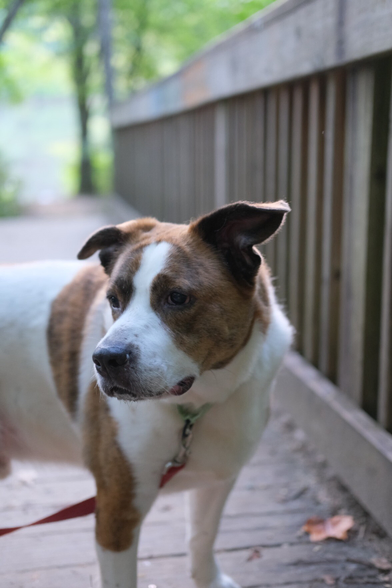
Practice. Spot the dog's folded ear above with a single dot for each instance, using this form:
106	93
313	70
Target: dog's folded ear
235	229
108	240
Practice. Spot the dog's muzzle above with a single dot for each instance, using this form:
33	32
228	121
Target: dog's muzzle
117	368
108	360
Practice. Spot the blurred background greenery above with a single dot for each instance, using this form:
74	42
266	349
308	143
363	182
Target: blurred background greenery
62	62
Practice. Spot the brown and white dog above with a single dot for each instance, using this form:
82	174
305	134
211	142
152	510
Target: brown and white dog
176	315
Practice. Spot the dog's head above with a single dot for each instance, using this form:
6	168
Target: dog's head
183	297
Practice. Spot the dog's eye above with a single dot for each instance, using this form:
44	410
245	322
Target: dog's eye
178	299
114	302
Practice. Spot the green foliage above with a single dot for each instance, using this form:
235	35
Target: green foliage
153	37
102	160
9	191
53	48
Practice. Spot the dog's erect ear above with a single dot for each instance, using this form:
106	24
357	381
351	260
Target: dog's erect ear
109	240
235	229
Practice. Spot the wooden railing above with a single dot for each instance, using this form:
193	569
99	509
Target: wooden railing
295	104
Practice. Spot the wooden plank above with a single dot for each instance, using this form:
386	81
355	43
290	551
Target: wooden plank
256	155
184	160
271	144
375	236
271	147
198	158
220	154
210	160
271	569
332	216
191	195
283	180
360	93
234	534
295	38
167	169
385	393
344	433
314	219
298	212
250	117
241	151
231	146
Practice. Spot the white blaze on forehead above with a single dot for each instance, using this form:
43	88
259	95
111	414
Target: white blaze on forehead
161	364
153	261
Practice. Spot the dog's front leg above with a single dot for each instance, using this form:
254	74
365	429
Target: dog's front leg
119	568
117	534
205	507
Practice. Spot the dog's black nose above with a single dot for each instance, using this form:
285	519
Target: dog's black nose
110	358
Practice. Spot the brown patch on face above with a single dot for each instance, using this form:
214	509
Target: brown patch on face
218	321
121	279
116	515
65	330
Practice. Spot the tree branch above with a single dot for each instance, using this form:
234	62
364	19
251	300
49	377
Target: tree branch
12	11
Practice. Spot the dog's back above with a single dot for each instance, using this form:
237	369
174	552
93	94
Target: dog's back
33	423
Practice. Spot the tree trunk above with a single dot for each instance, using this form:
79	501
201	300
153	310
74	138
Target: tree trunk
105	33
11	13
86	183
80	73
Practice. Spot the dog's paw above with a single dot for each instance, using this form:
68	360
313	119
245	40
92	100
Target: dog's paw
221	581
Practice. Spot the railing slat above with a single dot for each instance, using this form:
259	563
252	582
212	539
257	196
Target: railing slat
257	154
375	235
332	224
283	189
220	155
271	147
298	214
385	397
314	219
360	91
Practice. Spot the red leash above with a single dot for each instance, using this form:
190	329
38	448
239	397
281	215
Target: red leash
81	509
86	507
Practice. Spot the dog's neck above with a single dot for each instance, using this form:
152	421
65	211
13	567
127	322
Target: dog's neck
215	386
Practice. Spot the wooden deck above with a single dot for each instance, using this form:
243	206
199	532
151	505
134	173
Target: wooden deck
260	543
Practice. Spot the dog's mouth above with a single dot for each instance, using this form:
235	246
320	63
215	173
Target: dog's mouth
182	386
123	393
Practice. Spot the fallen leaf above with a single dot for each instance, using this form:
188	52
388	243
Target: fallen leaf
381	563
256	554
329	580
335	527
